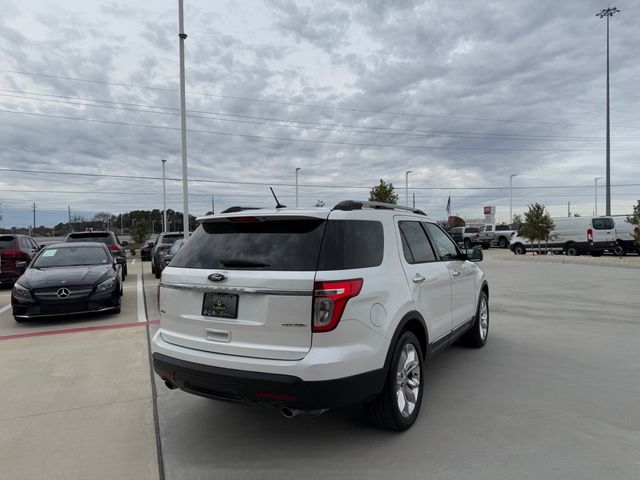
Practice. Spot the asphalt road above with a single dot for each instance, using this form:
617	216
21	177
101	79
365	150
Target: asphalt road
554	394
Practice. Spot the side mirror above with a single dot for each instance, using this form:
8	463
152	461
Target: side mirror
125	243
21	266
474	254
40	247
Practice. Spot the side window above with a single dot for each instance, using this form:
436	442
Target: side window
488	228
415	244
603	223
34	244
445	246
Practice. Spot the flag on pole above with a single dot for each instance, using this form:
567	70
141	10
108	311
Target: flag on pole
449	206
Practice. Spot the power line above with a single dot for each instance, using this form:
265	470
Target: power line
300	140
269	121
280	184
305	105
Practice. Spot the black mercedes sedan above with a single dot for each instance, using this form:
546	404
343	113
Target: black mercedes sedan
68	278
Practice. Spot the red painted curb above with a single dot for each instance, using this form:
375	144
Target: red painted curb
78	329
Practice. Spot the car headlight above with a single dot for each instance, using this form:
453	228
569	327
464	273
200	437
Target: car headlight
21	292
107	285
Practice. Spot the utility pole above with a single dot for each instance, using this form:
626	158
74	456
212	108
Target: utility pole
511	196
121	224
297	170
596	195
183	125
213	208
414	200
608	12
69	211
569	208
406	187
34	217
164	197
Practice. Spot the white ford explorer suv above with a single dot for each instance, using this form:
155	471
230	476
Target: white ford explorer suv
310	309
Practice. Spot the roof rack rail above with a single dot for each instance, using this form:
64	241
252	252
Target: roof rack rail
238	208
358	205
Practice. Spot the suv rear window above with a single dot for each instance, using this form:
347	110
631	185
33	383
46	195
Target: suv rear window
170	239
284	245
91	237
7	242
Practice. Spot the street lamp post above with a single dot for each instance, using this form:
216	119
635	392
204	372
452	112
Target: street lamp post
406	187
596	194
164	197
511	196
183	125
297	170
608	12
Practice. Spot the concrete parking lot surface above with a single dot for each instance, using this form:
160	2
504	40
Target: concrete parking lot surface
554	394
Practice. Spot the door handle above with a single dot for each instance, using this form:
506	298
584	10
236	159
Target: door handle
418	278
455	273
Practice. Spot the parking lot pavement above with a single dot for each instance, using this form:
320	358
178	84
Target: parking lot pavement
77	405
554	394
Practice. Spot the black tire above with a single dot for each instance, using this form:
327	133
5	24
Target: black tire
384	411
158	273
619	250
126	271
572	250
153	267
117	310
19	320
466	243
519	249
502	242
476	336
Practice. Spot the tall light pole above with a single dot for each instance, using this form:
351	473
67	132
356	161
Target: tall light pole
596	194
511	196
297	170
608	12
164	197
183	125
406	187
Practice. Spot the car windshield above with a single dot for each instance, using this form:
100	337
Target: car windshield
72	256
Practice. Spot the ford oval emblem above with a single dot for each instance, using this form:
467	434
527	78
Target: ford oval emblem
217	277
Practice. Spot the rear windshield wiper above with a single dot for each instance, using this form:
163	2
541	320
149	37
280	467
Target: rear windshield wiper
230	263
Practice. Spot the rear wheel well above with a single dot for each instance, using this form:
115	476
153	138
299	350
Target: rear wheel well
416	327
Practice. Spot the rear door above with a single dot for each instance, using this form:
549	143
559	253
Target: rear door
428	279
604	232
243	286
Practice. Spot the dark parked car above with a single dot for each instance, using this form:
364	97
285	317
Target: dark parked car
175	248
68	278
110	239
16	251
161	248
146	249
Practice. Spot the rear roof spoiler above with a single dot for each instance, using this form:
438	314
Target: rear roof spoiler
348	205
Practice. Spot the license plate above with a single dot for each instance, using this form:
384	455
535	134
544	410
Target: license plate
224	305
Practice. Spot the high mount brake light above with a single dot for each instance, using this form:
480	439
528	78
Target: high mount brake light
244	219
329	301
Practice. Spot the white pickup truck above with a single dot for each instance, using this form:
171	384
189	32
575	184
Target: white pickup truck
496	235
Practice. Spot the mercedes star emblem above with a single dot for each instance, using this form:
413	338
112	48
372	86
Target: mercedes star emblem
63	293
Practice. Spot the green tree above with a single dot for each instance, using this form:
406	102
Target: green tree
537	224
140	232
517	221
383	192
635	220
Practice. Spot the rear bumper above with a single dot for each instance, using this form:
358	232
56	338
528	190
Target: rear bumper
259	387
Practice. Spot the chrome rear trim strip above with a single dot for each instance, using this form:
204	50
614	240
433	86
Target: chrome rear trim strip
222	289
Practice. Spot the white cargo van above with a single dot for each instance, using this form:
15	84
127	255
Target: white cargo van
573	236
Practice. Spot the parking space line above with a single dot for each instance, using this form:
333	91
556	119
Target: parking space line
5	308
77	330
133	262
142	313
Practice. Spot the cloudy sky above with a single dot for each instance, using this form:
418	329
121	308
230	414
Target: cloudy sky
464	94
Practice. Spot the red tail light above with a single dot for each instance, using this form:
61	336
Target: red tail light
11	253
590	236
114	248
329	300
